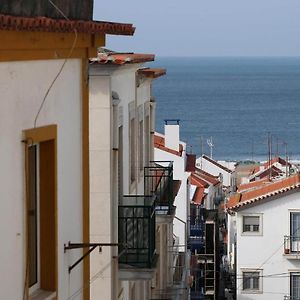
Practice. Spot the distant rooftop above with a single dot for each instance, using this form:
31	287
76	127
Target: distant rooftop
263	191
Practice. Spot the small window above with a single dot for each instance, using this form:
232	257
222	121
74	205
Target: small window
251	281
251	224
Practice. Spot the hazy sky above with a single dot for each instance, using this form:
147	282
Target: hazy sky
206	27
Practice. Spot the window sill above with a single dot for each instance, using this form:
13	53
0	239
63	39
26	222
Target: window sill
42	295
251	233
251	292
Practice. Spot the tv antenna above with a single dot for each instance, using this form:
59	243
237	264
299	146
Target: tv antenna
210	145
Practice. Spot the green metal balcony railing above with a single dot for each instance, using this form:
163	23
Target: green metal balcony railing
158	181
137	231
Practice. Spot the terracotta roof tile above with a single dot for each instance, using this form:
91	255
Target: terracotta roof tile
276	188
254	184
198	181
207	177
123	58
199	196
276	160
152	72
16	23
159	143
270	172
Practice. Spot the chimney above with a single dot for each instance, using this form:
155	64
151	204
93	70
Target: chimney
172	134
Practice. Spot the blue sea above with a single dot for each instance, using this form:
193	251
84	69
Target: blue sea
236	101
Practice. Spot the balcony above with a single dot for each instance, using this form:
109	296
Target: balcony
158	181
196	238
292	247
137	232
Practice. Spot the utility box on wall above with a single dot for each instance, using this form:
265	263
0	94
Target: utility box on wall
73	9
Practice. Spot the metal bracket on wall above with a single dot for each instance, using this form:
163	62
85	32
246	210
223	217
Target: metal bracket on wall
91	246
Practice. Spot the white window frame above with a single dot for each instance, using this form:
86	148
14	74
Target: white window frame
260	281
252	233
291	271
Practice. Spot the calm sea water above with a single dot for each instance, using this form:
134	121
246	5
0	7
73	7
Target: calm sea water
236	101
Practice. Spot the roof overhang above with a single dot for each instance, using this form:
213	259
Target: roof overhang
44	24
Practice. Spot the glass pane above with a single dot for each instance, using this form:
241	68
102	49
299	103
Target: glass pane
251	280
246	280
255	283
295	224
255	227
32	215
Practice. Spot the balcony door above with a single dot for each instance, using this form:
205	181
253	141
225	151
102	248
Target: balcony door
295	232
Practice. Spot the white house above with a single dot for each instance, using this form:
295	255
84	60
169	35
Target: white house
167	147
44	154
266	223
125	181
215	168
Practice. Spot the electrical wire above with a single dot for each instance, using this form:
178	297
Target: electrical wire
259	268
62	66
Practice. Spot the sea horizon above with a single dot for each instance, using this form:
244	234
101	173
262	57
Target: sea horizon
238	101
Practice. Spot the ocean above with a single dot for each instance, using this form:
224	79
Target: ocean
237	102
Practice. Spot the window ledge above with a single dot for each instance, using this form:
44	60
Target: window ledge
251	233
42	295
251	292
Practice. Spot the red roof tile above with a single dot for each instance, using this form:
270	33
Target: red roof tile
198	181
276	160
270	172
199	196
254	184
159	143
217	164
207	177
276	188
16	23
123	58
152	72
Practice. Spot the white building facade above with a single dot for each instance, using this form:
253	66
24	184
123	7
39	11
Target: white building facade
121	100
44	155
267	242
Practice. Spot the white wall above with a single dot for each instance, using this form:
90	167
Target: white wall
102	204
22	88
211	168
266	251
182	200
105	79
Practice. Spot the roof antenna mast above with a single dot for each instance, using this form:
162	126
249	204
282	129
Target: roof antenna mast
210	145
